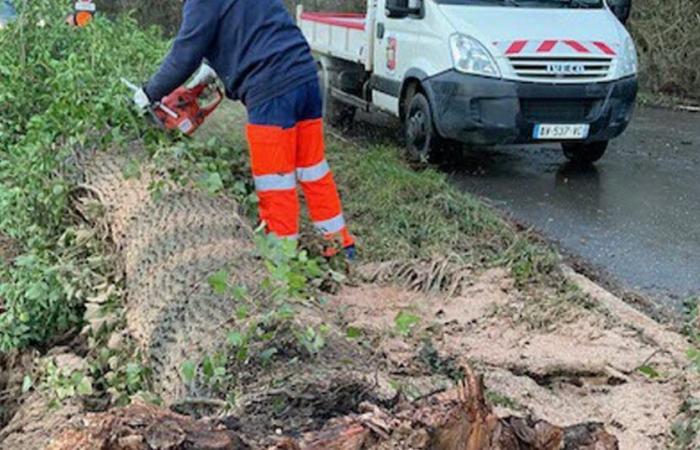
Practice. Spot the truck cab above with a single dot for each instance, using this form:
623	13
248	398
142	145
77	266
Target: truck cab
483	72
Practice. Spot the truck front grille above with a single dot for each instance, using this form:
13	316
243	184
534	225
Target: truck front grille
578	69
556	111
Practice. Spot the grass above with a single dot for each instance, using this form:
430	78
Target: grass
400	213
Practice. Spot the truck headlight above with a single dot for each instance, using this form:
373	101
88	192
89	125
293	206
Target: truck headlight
469	56
627	65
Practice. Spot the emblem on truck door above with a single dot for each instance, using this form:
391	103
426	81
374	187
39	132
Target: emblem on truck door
565	68
391	53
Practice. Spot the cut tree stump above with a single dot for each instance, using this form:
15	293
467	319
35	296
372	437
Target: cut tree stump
459	420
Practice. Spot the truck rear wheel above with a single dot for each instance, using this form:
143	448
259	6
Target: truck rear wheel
585	153
335	112
419	131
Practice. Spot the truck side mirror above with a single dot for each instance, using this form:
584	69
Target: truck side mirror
397	9
621	9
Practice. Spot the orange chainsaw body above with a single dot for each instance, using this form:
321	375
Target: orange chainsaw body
181	110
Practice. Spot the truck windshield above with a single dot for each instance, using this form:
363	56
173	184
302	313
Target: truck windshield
527	3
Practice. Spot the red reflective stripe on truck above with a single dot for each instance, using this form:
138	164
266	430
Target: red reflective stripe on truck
577	46
546	46
516	47
604	48
346	20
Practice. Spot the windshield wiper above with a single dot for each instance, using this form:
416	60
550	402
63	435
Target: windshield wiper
563	3
581	3
513	3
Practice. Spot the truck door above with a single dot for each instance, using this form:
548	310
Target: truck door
396	40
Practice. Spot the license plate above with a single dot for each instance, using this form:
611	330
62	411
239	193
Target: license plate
561	131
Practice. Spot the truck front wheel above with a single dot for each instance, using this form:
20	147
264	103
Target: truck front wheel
589	153
419	131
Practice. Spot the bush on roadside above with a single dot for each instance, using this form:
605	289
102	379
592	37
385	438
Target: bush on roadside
59	92
667	33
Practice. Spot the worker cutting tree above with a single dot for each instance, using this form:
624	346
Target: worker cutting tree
265	62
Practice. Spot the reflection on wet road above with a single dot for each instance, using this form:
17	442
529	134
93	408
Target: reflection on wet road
635	215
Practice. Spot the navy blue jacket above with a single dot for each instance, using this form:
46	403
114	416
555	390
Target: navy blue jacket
254	46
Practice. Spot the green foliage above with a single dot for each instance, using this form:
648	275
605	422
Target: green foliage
353	333
502	400
686	429
290	276
266	321
289	269
60	93
405	323
27	384
311	339
120	375
61	384
188	371
649	372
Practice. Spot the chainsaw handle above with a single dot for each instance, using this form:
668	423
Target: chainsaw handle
215	104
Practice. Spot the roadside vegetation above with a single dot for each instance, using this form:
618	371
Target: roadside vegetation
60	93
667	34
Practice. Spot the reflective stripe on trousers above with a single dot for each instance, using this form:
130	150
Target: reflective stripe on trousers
331	226
313	173
280	157
280	182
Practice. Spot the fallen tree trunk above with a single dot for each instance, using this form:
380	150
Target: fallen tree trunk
170	245
459	420
141	427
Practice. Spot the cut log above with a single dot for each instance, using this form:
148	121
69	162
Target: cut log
146	427
460	420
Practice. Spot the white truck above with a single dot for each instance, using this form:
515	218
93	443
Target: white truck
483	72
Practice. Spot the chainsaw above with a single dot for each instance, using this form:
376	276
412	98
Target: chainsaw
181	109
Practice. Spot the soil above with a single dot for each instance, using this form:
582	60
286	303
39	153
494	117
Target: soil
586	369
581	369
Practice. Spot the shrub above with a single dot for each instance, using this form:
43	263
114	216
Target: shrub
59	92
667	33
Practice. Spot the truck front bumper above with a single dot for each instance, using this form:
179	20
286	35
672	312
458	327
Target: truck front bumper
485	111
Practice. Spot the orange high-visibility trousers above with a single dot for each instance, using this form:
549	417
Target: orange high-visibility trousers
287	150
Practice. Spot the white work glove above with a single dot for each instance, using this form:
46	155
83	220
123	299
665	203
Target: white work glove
141	101
204	75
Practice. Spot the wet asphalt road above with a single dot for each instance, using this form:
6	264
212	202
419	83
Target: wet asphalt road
634	217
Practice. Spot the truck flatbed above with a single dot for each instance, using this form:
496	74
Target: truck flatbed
341	35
